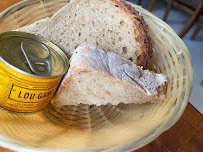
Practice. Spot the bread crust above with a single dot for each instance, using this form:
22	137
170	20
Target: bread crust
88	58
141	30
154	99
161	89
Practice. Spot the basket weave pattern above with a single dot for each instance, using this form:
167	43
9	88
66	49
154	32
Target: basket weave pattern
131	126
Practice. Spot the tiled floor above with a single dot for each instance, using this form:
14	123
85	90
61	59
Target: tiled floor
177	19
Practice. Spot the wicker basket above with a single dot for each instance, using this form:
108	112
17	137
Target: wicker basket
121	128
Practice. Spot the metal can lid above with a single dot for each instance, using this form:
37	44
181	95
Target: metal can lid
13	53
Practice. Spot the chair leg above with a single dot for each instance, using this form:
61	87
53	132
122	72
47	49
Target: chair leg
195	32
151	5
191	22
139	2
170	3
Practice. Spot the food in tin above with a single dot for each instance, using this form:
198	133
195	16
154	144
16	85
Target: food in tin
31	69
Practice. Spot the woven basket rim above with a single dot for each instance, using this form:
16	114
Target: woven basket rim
174	117
14	6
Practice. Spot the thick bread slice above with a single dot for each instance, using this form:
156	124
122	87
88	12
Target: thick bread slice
110	24
39	28
98	77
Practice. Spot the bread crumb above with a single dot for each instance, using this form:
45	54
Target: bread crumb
81	17
110	30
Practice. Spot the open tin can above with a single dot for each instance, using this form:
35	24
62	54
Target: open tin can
31	70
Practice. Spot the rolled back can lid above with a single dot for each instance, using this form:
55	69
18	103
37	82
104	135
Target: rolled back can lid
11	53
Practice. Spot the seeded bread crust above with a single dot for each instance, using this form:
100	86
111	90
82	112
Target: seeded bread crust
141	29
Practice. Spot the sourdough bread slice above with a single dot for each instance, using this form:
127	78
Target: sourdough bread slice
98	77
39	28
110	24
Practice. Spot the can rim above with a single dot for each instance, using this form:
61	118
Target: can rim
60	52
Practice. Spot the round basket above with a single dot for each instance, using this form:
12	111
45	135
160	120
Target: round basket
118	128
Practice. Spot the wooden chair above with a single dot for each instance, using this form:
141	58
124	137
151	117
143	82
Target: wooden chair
151	5
193	7
198	27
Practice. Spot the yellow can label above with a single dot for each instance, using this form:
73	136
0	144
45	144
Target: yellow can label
21	93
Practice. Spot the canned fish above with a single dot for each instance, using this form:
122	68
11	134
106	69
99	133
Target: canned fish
31	69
